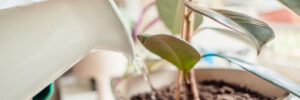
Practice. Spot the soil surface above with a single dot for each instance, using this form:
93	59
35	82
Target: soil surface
208	90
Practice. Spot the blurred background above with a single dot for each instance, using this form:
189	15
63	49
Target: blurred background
282	54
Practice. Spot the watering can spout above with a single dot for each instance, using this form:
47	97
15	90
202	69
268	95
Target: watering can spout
39	42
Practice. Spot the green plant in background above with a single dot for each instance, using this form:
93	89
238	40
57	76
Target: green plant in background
170	12
179	17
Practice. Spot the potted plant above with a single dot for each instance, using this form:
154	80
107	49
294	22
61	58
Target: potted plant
179	17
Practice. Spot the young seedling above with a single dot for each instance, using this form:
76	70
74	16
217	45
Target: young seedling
180	53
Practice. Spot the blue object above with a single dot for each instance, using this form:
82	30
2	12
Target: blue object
209	59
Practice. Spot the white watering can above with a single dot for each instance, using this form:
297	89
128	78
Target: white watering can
39	42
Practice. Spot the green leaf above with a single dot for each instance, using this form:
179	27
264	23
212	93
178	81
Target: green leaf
170	12
259	32
294	5
198	20
177	51
263	73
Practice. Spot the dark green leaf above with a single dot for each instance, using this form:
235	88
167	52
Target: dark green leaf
294	5
264	73
256	30
170	12
177	51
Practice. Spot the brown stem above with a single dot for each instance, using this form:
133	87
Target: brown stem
183	24
183	36
189	13
190	30
179	80
186	30
193	84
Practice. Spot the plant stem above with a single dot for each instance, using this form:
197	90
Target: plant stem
179	80
183	24
191	74
189	20
180	72
189	25
193	84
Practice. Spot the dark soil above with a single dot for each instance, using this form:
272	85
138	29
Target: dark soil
208	90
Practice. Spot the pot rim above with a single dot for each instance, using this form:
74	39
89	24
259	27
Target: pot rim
116	92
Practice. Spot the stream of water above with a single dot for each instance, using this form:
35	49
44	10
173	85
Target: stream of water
140	65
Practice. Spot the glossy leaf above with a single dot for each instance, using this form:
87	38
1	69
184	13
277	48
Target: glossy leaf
177	51
263	73
170	12
259	32
294	5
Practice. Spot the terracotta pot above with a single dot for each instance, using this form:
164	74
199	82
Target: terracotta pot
135	84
